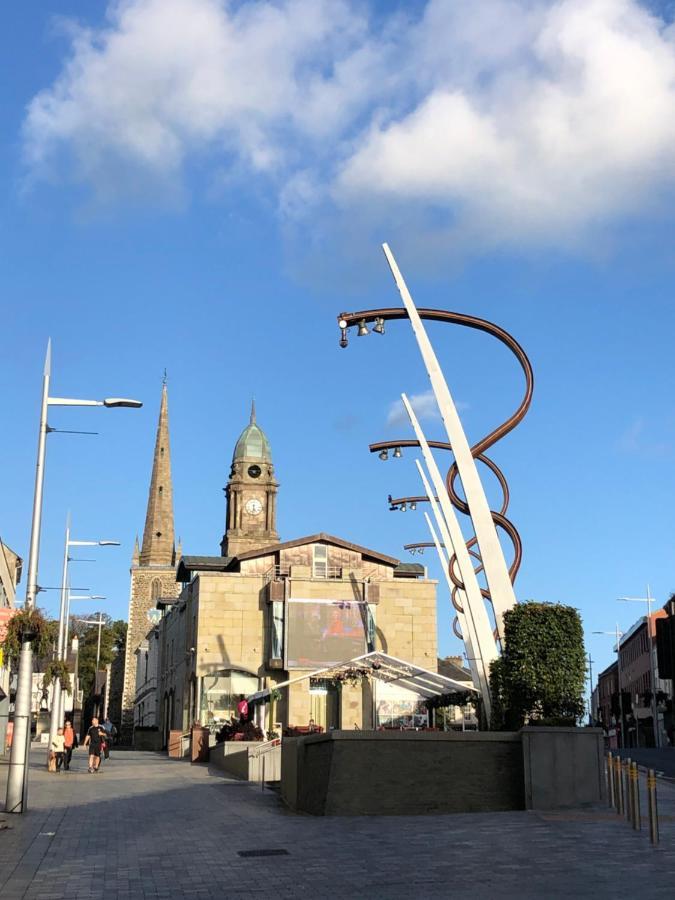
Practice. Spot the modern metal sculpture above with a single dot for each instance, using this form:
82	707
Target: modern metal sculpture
484	547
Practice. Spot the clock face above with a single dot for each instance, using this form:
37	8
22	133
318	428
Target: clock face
254	471
253	506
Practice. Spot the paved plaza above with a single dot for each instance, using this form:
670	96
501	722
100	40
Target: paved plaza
147	826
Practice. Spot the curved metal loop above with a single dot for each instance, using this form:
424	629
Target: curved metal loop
478	451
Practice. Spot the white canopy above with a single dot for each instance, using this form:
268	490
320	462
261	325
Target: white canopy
386	668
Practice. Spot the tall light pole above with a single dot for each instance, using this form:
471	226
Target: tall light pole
652	668
100	622
618	635
62	704
17	776
58	701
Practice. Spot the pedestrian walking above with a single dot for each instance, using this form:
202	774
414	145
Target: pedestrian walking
70	743
108	728
58	747
242	709
93	740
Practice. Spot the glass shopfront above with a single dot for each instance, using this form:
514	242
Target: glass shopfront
398	707
220	694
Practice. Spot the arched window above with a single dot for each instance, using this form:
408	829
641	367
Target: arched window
156	589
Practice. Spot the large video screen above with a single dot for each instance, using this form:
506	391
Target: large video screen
324	632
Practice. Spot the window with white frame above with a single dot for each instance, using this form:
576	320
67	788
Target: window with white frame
320	568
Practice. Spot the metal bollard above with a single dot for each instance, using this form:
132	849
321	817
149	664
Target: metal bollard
619	785
635	796
262	782
610	780
653	808
626	789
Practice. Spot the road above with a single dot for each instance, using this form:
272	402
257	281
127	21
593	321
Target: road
147	826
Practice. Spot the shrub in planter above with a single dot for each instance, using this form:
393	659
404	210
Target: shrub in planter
540	677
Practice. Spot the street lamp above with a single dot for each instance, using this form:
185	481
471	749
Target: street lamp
100	622
17	775
58	700
652	668
617	635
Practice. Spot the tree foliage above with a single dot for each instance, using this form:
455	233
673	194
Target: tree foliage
541	674
32	623
57	670
113	640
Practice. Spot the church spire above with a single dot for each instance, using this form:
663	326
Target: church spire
252	421
158	536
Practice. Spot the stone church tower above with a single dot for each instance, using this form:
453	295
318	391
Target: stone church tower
153	568
251	516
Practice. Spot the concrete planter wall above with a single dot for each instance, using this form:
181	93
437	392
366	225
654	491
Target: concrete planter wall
563	767
414	773
243	759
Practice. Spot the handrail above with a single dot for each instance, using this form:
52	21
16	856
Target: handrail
264	747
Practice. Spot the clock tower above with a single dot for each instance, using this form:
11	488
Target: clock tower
251	493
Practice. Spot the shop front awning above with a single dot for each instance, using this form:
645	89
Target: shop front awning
384	668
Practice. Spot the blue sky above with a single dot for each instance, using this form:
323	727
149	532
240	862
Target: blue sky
203	186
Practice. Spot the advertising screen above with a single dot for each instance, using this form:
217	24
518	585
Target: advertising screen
324	632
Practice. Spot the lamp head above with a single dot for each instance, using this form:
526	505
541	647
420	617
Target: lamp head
112	402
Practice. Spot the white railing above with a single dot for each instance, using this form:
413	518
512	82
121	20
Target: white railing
274	573
334	572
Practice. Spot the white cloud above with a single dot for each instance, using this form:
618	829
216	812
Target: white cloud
638	440
425	407
511	120
169	78
572	124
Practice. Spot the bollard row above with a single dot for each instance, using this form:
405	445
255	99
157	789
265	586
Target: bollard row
623	794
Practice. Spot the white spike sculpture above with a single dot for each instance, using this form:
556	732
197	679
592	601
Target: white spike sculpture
483	647
461	617
492	556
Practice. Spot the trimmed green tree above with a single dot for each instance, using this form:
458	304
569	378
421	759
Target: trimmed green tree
540	677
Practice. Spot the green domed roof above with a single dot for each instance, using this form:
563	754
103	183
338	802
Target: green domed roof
253	443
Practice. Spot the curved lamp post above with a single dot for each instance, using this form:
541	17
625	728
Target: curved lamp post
499	577
17	775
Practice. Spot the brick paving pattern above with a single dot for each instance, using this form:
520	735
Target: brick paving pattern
147	826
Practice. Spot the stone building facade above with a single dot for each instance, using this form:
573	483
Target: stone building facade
266	612
153	566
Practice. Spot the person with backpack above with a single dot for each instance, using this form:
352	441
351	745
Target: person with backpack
93	741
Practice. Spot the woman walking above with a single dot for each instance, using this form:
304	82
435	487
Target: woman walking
70	743
58	747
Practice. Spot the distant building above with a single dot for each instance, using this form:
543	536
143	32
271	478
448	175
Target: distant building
606	704
637	656
147	663
153	566
665	654
10	575
266	612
